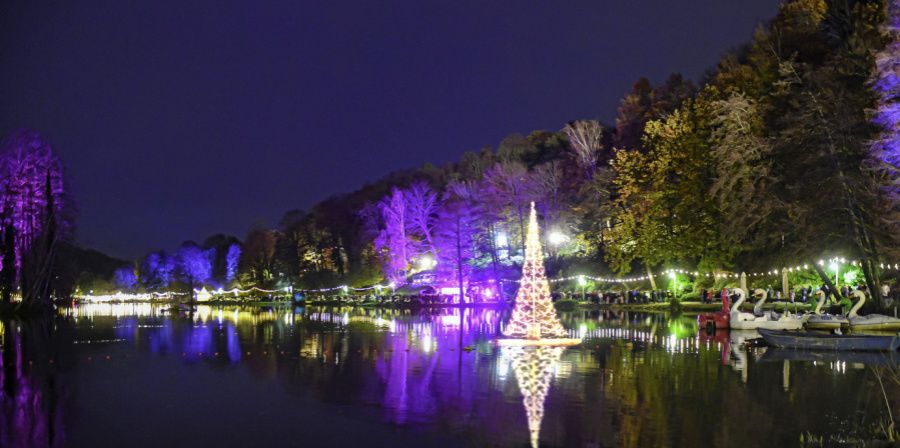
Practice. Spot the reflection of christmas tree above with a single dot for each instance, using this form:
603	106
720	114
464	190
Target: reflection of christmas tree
534	316
534	372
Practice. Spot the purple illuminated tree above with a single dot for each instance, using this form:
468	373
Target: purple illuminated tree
455	234
422	207
393	239
32	208
7	263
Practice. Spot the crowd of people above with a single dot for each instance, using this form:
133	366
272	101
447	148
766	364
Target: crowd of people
802	295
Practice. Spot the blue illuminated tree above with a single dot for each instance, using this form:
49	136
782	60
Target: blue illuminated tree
885	149
125	277
231	261
194	263
157	270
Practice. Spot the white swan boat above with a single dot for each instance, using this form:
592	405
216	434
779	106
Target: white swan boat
772	321
871	321
819	321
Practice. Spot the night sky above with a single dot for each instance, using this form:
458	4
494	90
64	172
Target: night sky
178	120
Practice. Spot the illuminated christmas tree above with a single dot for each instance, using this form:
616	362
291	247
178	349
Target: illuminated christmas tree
534	316
534	372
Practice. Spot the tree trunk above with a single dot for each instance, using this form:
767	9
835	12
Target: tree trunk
521	228
459	261
650	276
493	247
826	280
868	267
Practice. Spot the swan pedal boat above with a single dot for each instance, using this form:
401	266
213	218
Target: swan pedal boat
770	320
818	320
826	341
718	320
878	322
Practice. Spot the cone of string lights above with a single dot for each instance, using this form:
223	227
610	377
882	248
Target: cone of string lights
534	320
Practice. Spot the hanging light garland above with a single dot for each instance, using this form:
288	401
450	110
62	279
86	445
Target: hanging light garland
379	287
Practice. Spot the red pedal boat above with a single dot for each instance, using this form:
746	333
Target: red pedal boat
719	319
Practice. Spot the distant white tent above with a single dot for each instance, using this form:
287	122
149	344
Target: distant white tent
203	295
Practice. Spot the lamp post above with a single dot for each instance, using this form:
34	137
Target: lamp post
837	279
674	284
582	283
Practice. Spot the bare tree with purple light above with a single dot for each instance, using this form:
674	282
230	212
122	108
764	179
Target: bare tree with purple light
422	208
455	234
394	236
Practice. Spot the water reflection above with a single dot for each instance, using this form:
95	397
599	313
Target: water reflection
32	393
637	379
534	368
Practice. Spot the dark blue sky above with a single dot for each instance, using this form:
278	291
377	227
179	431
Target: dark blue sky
178	120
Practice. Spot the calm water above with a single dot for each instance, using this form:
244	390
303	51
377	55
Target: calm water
135	375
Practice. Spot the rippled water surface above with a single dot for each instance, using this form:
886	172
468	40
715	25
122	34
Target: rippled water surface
137	375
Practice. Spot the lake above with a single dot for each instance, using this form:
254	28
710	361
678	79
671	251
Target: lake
137	375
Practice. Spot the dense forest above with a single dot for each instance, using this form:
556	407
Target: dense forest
783	155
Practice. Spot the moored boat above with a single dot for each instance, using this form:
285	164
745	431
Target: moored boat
884	359
826	341
769	320
824	321
719	319
878	322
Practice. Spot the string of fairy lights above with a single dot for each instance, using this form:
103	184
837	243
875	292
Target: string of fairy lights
581	278
721	275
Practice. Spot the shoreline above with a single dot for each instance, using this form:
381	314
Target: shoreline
684	307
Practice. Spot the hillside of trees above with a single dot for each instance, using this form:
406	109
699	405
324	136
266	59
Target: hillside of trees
783	155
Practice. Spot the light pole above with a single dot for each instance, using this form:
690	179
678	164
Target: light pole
674	284
837	279
582	283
